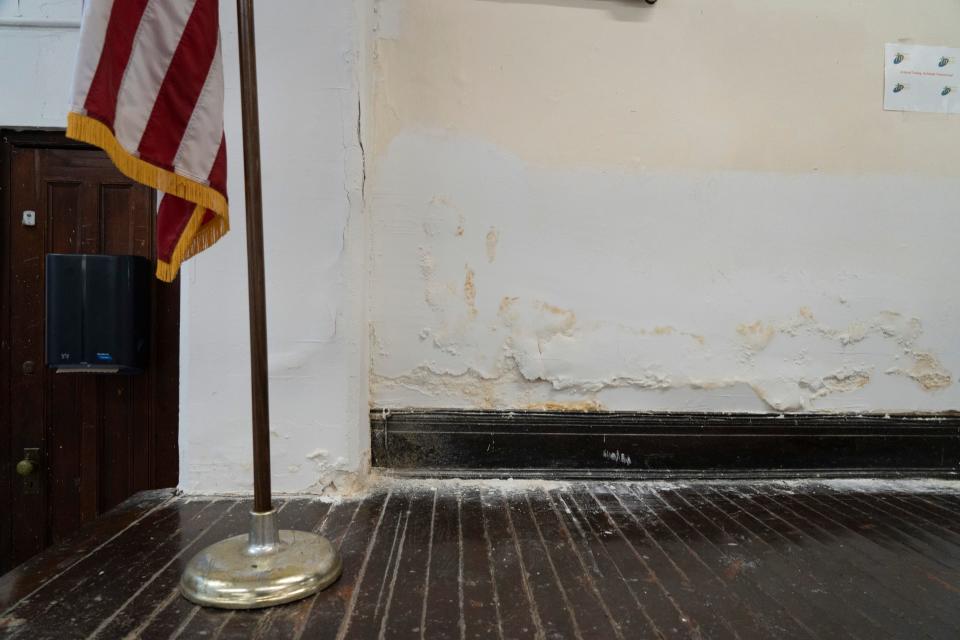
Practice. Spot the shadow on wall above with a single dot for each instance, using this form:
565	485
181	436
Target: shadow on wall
626	10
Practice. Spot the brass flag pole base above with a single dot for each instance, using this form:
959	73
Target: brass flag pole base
264	568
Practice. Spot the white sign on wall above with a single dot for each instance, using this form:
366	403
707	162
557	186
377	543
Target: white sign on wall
921	78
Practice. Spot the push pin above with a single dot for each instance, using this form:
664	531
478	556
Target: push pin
898	88
946	91
897	59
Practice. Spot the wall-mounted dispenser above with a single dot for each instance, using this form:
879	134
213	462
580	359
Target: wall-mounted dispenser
97	313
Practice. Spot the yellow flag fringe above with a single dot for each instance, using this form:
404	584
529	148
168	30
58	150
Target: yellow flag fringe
195	238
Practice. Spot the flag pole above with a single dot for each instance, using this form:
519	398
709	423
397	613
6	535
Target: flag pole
266	566
255	279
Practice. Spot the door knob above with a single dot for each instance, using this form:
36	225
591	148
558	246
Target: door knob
26	466
29	463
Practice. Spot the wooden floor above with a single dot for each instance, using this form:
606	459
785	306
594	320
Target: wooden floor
696	560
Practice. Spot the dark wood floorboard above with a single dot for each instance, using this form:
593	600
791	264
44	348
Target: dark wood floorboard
404	612
376	582
544	587
874	574
626	560
603	572
666	617
327	613
17	585
85	584
160	611
864	537
443	599
783	566
698	617
741	614
199	621
518	614
480	604
155	581
587	610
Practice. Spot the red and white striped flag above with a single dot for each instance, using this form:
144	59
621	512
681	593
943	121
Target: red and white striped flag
148	89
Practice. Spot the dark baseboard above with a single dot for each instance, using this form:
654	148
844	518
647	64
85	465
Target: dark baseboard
606	445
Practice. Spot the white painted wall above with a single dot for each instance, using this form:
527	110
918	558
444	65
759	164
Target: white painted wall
37	63
310	70
692	206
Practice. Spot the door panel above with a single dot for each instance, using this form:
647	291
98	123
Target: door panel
101	437
63	425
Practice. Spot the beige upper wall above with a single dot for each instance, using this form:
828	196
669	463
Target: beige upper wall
790	86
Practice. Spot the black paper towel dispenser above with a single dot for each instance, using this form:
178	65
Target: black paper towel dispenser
97	313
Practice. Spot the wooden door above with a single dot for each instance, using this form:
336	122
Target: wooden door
98	437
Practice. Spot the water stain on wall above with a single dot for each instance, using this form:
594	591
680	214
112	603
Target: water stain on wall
680	296
756	335
582	406
541	352
470	291
493	236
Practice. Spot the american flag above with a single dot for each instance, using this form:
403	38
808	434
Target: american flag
148	89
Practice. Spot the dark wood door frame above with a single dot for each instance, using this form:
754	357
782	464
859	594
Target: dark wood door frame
6	473
155	461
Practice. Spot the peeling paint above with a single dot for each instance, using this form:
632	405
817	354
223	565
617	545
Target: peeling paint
318	455
582	406
376	345
626	316
517	368
839	382
339	477
926	371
